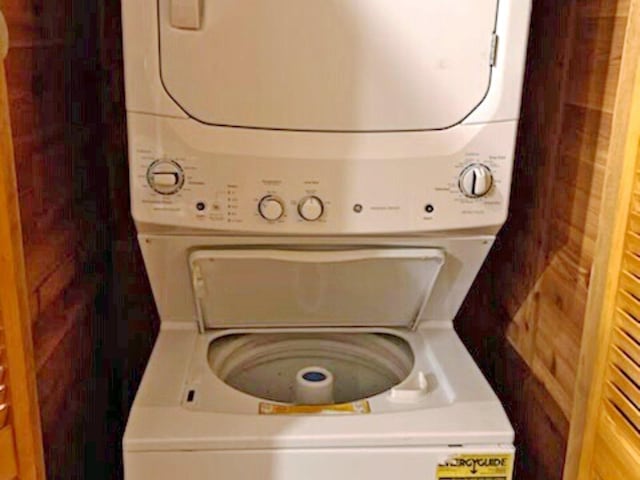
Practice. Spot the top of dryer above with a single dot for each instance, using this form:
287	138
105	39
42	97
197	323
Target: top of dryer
336	65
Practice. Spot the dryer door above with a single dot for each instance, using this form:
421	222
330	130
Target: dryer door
330	65
301	288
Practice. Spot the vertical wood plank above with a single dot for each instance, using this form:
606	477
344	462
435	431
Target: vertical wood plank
14	310
8	465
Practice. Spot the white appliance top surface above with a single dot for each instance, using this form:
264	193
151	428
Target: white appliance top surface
335	65
159	420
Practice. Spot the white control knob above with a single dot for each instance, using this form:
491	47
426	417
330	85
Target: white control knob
476	181
165	177
311	208
271	208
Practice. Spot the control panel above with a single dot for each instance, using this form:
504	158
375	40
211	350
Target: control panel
174	185
185	192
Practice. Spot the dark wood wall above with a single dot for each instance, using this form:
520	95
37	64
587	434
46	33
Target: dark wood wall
54	100
523	320
133	314
94	320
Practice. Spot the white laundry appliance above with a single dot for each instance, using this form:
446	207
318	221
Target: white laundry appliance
315	186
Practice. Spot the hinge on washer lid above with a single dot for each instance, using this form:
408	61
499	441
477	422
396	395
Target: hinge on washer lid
493	59
200	291
199	286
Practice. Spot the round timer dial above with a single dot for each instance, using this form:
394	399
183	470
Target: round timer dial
165	177
476	181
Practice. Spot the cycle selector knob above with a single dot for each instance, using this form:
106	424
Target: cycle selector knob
476	181
271	208
311	208
165	177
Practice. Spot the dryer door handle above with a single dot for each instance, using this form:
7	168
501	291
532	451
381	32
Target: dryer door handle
186	14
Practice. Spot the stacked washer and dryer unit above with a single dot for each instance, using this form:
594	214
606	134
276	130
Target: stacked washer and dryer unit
315	186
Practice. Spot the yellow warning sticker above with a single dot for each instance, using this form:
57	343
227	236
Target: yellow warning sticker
472	467
341	409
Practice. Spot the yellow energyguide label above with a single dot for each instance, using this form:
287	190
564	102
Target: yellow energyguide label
471	467
344	408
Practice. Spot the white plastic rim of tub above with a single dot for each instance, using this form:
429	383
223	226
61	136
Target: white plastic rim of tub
265	365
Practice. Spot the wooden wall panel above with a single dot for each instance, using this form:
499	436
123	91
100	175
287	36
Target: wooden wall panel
21	453
53	96
605	435
575	201
537	279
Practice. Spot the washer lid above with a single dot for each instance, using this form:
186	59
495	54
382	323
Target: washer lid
253	288
331	65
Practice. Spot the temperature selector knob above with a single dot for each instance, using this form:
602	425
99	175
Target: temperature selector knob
476	181
311	208
165	177
271	208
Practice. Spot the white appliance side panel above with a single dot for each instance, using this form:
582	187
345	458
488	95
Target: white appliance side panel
349	65
367	183
167	261
322	464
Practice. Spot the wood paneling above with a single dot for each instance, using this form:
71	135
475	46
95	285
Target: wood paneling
580	161
536	282
611	444
54	102
619	198
20	435
8	458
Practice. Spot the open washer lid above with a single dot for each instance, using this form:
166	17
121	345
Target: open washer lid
331	65
255	288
